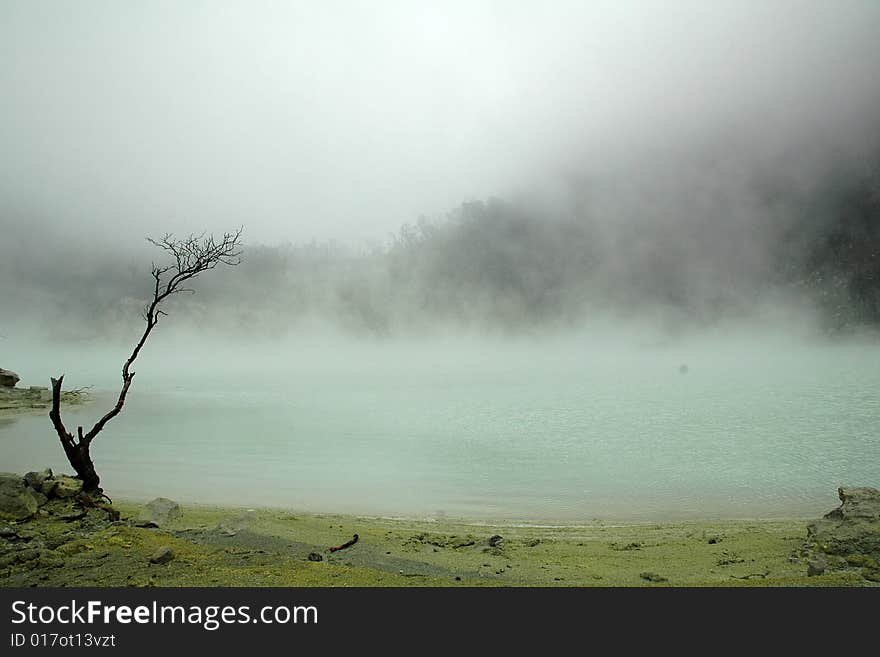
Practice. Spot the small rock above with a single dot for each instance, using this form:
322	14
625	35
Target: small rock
162	555
534	542
147	524
160	511
817	566
314	556
652	577
714	540
496	540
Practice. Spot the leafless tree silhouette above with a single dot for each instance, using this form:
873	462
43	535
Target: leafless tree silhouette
192	255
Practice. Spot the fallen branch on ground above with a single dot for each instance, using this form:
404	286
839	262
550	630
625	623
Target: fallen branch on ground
354	539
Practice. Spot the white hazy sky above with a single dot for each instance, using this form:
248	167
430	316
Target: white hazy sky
343	120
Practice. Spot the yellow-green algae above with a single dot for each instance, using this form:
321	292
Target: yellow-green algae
266	547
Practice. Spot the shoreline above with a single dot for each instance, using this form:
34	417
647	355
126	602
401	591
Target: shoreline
805	513
33	401
609	522
227	546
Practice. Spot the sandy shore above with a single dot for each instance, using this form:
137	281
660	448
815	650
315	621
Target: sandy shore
215	546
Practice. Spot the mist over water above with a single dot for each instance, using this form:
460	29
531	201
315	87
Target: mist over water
502	260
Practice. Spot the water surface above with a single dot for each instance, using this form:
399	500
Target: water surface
555	431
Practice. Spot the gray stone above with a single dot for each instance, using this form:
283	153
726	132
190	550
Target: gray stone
817	566
314	556
159	511
35	479
65	487
163	555
8	379
17	502
496	540
848	536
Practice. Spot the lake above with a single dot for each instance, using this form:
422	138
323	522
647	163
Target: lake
530	430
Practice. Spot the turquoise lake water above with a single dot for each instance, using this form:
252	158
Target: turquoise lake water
531	431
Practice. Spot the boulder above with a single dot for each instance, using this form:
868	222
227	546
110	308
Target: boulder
35	479
817	566
848	536
17	502
64	487
159	511
8	379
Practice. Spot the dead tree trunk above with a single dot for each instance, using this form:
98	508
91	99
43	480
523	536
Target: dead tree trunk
192	255
77	451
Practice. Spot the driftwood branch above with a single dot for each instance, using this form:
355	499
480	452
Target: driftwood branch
347	544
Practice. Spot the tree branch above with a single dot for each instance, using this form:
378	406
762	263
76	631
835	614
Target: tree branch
55	415
192	256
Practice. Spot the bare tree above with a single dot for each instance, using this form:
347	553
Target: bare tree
192	256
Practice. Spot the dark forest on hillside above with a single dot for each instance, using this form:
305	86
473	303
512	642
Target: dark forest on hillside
515	267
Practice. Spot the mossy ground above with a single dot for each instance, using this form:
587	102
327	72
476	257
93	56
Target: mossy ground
266	547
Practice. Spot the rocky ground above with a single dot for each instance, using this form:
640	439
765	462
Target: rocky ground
847	538
67	541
